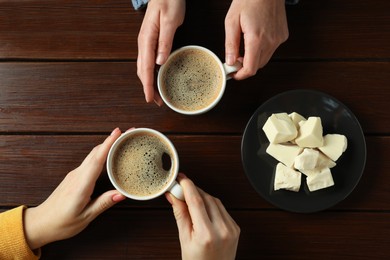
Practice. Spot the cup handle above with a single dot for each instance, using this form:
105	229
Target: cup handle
177	191
231	68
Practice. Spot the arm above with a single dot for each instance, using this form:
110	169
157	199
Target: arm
69	209
206	230
263	25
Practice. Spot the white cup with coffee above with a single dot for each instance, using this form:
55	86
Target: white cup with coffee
193	79
143	164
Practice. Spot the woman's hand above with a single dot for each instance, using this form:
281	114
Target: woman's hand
69	209
263	25
206	230
162	18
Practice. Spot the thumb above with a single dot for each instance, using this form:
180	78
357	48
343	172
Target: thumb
181	213
232	39
102	203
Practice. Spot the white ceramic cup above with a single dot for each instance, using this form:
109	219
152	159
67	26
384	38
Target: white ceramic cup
224	71
172	186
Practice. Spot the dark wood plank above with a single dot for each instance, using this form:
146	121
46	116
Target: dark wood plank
96	97
68	29
341	235
338	29
43	29
32	166
68	77
264	235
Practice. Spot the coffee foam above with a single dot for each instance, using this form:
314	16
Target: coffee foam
192	80
138	166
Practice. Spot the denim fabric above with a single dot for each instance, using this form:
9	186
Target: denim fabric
138	4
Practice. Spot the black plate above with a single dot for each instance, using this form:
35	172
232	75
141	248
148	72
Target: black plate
336	119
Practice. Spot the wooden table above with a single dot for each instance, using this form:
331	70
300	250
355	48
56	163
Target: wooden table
68	77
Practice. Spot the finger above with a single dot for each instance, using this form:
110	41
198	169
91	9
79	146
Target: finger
104	148
145	71
195	203
94	162
211	206
157	98
167	32
181	213
229	227
219	216
232	39
226	216
147	45
251	61
102	203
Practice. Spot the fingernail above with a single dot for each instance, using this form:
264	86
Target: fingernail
230	59
118	197
148	99
114	131
169	196
182	175
158	103
160	59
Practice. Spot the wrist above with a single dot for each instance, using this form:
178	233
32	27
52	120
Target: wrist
33	232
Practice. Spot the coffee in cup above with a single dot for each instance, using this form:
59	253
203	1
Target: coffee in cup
143	164
193	80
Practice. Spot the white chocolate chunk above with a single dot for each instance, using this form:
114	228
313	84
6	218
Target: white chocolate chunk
320	180
311	172
284	153
310	133
334	146
296	118
324	161
279	128
307	160
287	178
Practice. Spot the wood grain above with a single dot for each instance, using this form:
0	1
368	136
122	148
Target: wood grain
92	29
38	164
97	96
68	77
264	234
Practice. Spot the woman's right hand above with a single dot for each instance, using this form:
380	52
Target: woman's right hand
206	230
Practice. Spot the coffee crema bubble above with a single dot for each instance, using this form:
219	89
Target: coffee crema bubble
138	164
192	80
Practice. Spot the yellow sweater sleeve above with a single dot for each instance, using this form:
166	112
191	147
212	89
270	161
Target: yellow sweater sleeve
13	243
